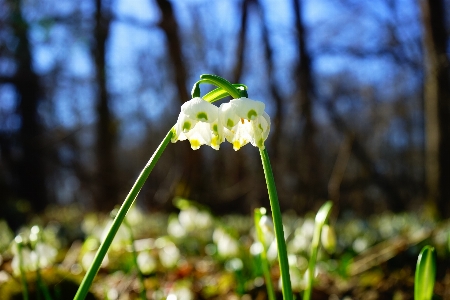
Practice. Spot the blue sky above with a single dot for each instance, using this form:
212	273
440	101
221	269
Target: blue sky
328	23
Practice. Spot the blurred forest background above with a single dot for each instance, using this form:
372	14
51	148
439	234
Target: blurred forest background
358	93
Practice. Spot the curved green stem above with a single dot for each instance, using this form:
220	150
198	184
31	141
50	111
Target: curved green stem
220	93
223	83
217	81
278	226
129	200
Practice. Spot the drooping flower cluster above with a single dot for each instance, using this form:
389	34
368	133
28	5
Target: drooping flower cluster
240	121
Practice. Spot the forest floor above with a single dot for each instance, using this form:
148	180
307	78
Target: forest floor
192	254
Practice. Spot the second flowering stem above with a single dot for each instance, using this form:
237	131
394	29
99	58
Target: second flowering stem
278	226
129	200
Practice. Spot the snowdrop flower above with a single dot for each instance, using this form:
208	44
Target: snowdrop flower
198	123
244	121
266	224
44	255
227	246
146	262
328	238
28	261
169	254
240	121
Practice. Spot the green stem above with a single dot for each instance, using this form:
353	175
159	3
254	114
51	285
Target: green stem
129	200
312	262
42	286
321	218
220	93
259	212
278	226
135	260
23	278
217	81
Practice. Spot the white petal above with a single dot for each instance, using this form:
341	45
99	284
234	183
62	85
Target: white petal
265	125
229	134
184	124
240	135
247	109
217	135
254	132
200	110
199	135
261	128
227	115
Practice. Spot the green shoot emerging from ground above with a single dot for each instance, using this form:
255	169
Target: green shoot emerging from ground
425	274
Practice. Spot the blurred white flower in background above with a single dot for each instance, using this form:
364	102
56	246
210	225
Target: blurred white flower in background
146	262
227	246
169	254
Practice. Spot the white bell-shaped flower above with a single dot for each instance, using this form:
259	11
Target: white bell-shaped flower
28	262
244	121
198	123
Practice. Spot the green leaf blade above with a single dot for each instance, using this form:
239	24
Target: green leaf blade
425	274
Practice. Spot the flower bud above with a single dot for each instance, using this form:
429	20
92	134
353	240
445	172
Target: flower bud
328	238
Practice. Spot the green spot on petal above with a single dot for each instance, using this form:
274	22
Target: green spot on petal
252	114
230	123
215	129
260	127
186	126
260	143
202	116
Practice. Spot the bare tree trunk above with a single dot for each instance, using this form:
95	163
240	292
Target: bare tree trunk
239	66
337	175
107	185
395	201
191	180
30	169
276	120
310	160
436	104
169	25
